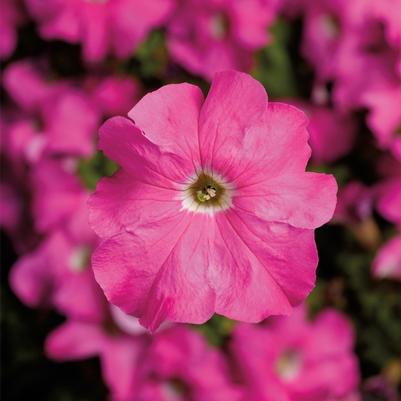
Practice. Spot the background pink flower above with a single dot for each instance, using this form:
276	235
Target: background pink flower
293	359
207	36
181	366
121	353
55	118
102	27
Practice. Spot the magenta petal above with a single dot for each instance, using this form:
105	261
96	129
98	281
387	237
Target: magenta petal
30	278
132	20
95	31
151	272
124	143
25	84
79	296
169	118
120	359
387	263
71	122
389	200
333	328
235	102
277	143
74	340
304	200
257	270
124	200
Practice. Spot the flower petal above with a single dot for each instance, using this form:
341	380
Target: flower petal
124	143
169	118
235	102
158	271
277	143
303	200
258	271
123	200
74	340
121	361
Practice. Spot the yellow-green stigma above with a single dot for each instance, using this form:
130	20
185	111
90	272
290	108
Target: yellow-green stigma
206	190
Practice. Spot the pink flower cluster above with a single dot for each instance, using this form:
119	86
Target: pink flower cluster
176	363
216	199
354	49
357	47
294	359
203	36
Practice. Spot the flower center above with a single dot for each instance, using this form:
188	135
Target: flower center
80	259
219	26
331	25
175	390
289	365
207	193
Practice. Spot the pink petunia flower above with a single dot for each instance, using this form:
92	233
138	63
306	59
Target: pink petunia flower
103	27
57	273
56	118
326	24
181	366
122	353
207	36
293	359
366	60
387	263
212	210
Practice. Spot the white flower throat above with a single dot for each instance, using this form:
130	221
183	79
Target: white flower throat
207	193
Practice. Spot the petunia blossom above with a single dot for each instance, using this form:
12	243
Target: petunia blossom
103	27
293	359
181	366
207	36
121	352
367	59
326	24
57	274
56	118
212	210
